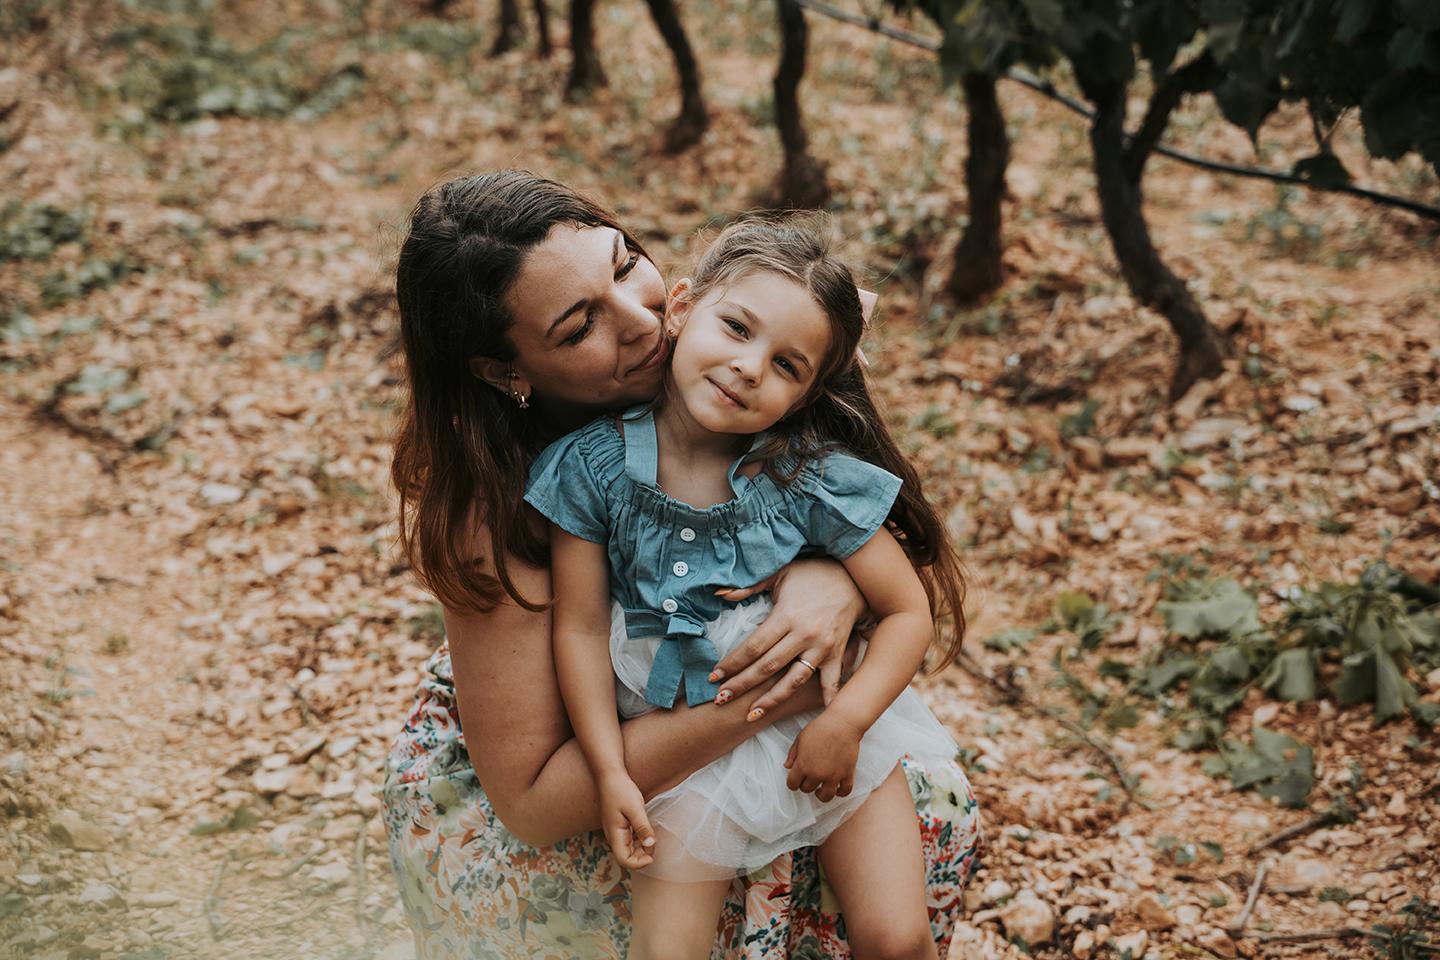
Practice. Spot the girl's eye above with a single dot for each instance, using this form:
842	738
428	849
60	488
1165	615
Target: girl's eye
630	263
581	333
787	366
736	326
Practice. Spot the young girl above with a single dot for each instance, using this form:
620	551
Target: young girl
764	443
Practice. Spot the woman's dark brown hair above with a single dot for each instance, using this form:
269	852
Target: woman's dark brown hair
464	448
840	412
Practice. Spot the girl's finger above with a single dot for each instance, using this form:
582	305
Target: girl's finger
845	788
790	758
826	793
796	677
829	679
794	780
644	834
809	785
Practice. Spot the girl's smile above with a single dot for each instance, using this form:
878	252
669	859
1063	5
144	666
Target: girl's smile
746	355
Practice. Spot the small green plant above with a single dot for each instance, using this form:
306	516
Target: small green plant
1412	937
33	232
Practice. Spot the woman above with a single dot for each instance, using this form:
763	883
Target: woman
526	310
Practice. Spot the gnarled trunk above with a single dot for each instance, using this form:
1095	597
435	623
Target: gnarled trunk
507	28
1152	283
586	73
542	23
977	268
802	180
693	118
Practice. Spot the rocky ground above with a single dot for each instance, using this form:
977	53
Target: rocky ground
208	640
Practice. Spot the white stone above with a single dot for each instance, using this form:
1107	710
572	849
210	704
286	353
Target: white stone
1029	918
995	891
1134	942
75	831
154	900
220	494
1084	945
101	895
270	782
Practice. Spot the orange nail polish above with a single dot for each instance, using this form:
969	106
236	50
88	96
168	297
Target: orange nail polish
716	676
755	714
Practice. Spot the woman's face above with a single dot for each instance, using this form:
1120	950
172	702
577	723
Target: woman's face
589	322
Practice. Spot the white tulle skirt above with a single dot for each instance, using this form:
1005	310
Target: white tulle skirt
736	814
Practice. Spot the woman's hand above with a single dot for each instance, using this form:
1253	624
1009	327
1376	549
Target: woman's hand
816	606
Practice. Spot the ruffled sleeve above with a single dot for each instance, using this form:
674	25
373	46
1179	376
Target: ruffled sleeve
566	488
849	501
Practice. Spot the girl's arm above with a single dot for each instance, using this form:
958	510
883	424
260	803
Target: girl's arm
582	664
519	738
823	756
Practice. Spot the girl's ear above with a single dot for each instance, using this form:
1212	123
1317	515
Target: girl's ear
677	307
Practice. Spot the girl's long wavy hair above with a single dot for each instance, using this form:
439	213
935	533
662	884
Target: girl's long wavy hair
839	412
463	448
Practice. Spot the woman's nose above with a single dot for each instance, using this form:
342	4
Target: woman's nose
638	320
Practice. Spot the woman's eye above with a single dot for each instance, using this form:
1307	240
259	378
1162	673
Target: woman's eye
580	334
735	325
630	263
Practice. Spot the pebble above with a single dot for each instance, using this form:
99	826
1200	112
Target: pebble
995	891
1077	915
1134	942
1188	914
1029	918
1217	941
78	833
101	895
1083	946
270	782
342	746
220	494
1297	869
1358	906
1152	913
1209	432
154	900
307	748
1432	679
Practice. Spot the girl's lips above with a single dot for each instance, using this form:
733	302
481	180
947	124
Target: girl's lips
726	394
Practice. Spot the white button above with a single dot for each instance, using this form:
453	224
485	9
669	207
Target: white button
687	534
668	605
681	568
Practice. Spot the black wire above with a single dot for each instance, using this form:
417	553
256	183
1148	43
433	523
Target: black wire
1047	88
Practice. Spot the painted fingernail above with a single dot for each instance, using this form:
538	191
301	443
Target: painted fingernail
724	696
649	841
716	676
755	714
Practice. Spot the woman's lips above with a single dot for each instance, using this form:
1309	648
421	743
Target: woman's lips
653	358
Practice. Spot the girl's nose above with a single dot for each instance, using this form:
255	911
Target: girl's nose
744	366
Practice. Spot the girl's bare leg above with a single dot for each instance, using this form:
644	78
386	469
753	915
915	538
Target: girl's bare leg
675	921
876	866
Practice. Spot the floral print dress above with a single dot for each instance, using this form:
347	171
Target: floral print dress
473	890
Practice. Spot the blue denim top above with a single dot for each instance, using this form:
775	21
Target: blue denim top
668	558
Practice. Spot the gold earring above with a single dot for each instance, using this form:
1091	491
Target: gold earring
521	400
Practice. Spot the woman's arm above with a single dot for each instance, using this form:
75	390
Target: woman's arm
520	741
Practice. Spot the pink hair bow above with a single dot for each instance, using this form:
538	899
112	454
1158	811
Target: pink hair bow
867	308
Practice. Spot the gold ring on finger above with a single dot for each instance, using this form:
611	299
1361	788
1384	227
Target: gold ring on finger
807	663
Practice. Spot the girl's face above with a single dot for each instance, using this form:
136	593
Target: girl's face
588	323
748	354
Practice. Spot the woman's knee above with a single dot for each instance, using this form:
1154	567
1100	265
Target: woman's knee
668	943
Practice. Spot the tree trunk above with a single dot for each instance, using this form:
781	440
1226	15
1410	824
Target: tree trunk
977	268
507	29
690	124
542	22
802	180
1149	279
586	73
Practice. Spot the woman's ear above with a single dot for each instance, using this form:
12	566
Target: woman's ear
500	375
677	307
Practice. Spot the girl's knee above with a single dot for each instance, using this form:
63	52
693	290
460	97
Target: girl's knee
894	942
667	944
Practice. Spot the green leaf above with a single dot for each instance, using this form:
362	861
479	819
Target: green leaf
1214	849
1122	716
97	379
1426	714
1218	608
1005	641
1291	675
1356	682
1162	676
1074	608
1114	668
1393	693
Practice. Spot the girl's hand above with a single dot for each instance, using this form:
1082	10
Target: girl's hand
816	606
627	828
822	758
